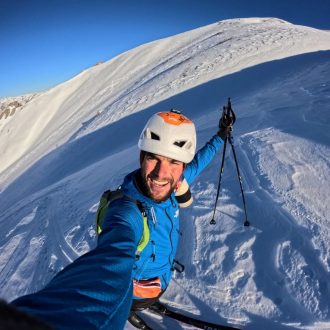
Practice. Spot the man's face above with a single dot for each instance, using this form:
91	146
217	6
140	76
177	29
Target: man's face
160	175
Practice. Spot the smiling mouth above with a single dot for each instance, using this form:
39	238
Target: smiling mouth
159	190
158	183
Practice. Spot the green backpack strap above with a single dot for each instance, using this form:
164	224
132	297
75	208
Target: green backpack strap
102	209
146	231
105	200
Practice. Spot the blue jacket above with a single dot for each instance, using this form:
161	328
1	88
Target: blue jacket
95	291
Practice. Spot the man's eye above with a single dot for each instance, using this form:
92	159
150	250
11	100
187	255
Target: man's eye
151	158
176	162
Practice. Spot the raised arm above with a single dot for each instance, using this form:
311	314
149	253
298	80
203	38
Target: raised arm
202	158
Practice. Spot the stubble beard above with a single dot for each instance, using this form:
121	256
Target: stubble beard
148	192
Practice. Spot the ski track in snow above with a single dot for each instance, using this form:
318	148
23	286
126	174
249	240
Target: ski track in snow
274	274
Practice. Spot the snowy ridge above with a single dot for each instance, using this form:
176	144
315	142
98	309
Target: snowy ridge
147	75
79	138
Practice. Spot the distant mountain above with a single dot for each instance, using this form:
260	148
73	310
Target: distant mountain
9	106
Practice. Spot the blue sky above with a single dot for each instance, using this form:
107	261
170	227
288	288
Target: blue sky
43	43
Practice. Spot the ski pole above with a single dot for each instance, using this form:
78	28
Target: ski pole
230	138
228	114
213	222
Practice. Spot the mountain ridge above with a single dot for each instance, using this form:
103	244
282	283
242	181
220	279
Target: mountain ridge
84	141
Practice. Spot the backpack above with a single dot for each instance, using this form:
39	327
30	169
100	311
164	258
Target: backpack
183	197
106	199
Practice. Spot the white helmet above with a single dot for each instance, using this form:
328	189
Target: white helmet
169	134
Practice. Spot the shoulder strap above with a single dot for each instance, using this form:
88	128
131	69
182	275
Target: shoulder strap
146	231
106	199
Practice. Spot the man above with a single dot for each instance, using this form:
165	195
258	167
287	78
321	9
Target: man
96	290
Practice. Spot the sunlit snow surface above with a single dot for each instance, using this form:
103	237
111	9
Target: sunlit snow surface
65	146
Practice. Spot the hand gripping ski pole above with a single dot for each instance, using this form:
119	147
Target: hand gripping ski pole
230	117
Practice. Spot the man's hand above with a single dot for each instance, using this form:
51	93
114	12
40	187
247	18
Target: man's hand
225	126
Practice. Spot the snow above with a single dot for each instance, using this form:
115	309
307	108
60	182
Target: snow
62	148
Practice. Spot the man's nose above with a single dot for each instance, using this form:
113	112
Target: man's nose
162	169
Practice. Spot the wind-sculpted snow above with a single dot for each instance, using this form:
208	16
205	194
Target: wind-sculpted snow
144	76
69	144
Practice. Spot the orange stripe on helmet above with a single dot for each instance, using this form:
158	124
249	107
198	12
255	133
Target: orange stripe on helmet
174	118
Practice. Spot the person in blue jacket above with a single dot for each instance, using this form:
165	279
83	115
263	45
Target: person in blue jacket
104	287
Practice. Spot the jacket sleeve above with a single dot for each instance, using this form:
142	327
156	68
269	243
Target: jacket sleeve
95	291
202	158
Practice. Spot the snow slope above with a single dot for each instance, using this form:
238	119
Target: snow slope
65	146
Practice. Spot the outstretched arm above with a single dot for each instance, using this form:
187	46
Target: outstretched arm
95	291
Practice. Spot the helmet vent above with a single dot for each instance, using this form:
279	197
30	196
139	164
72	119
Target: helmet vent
154	136
180	143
